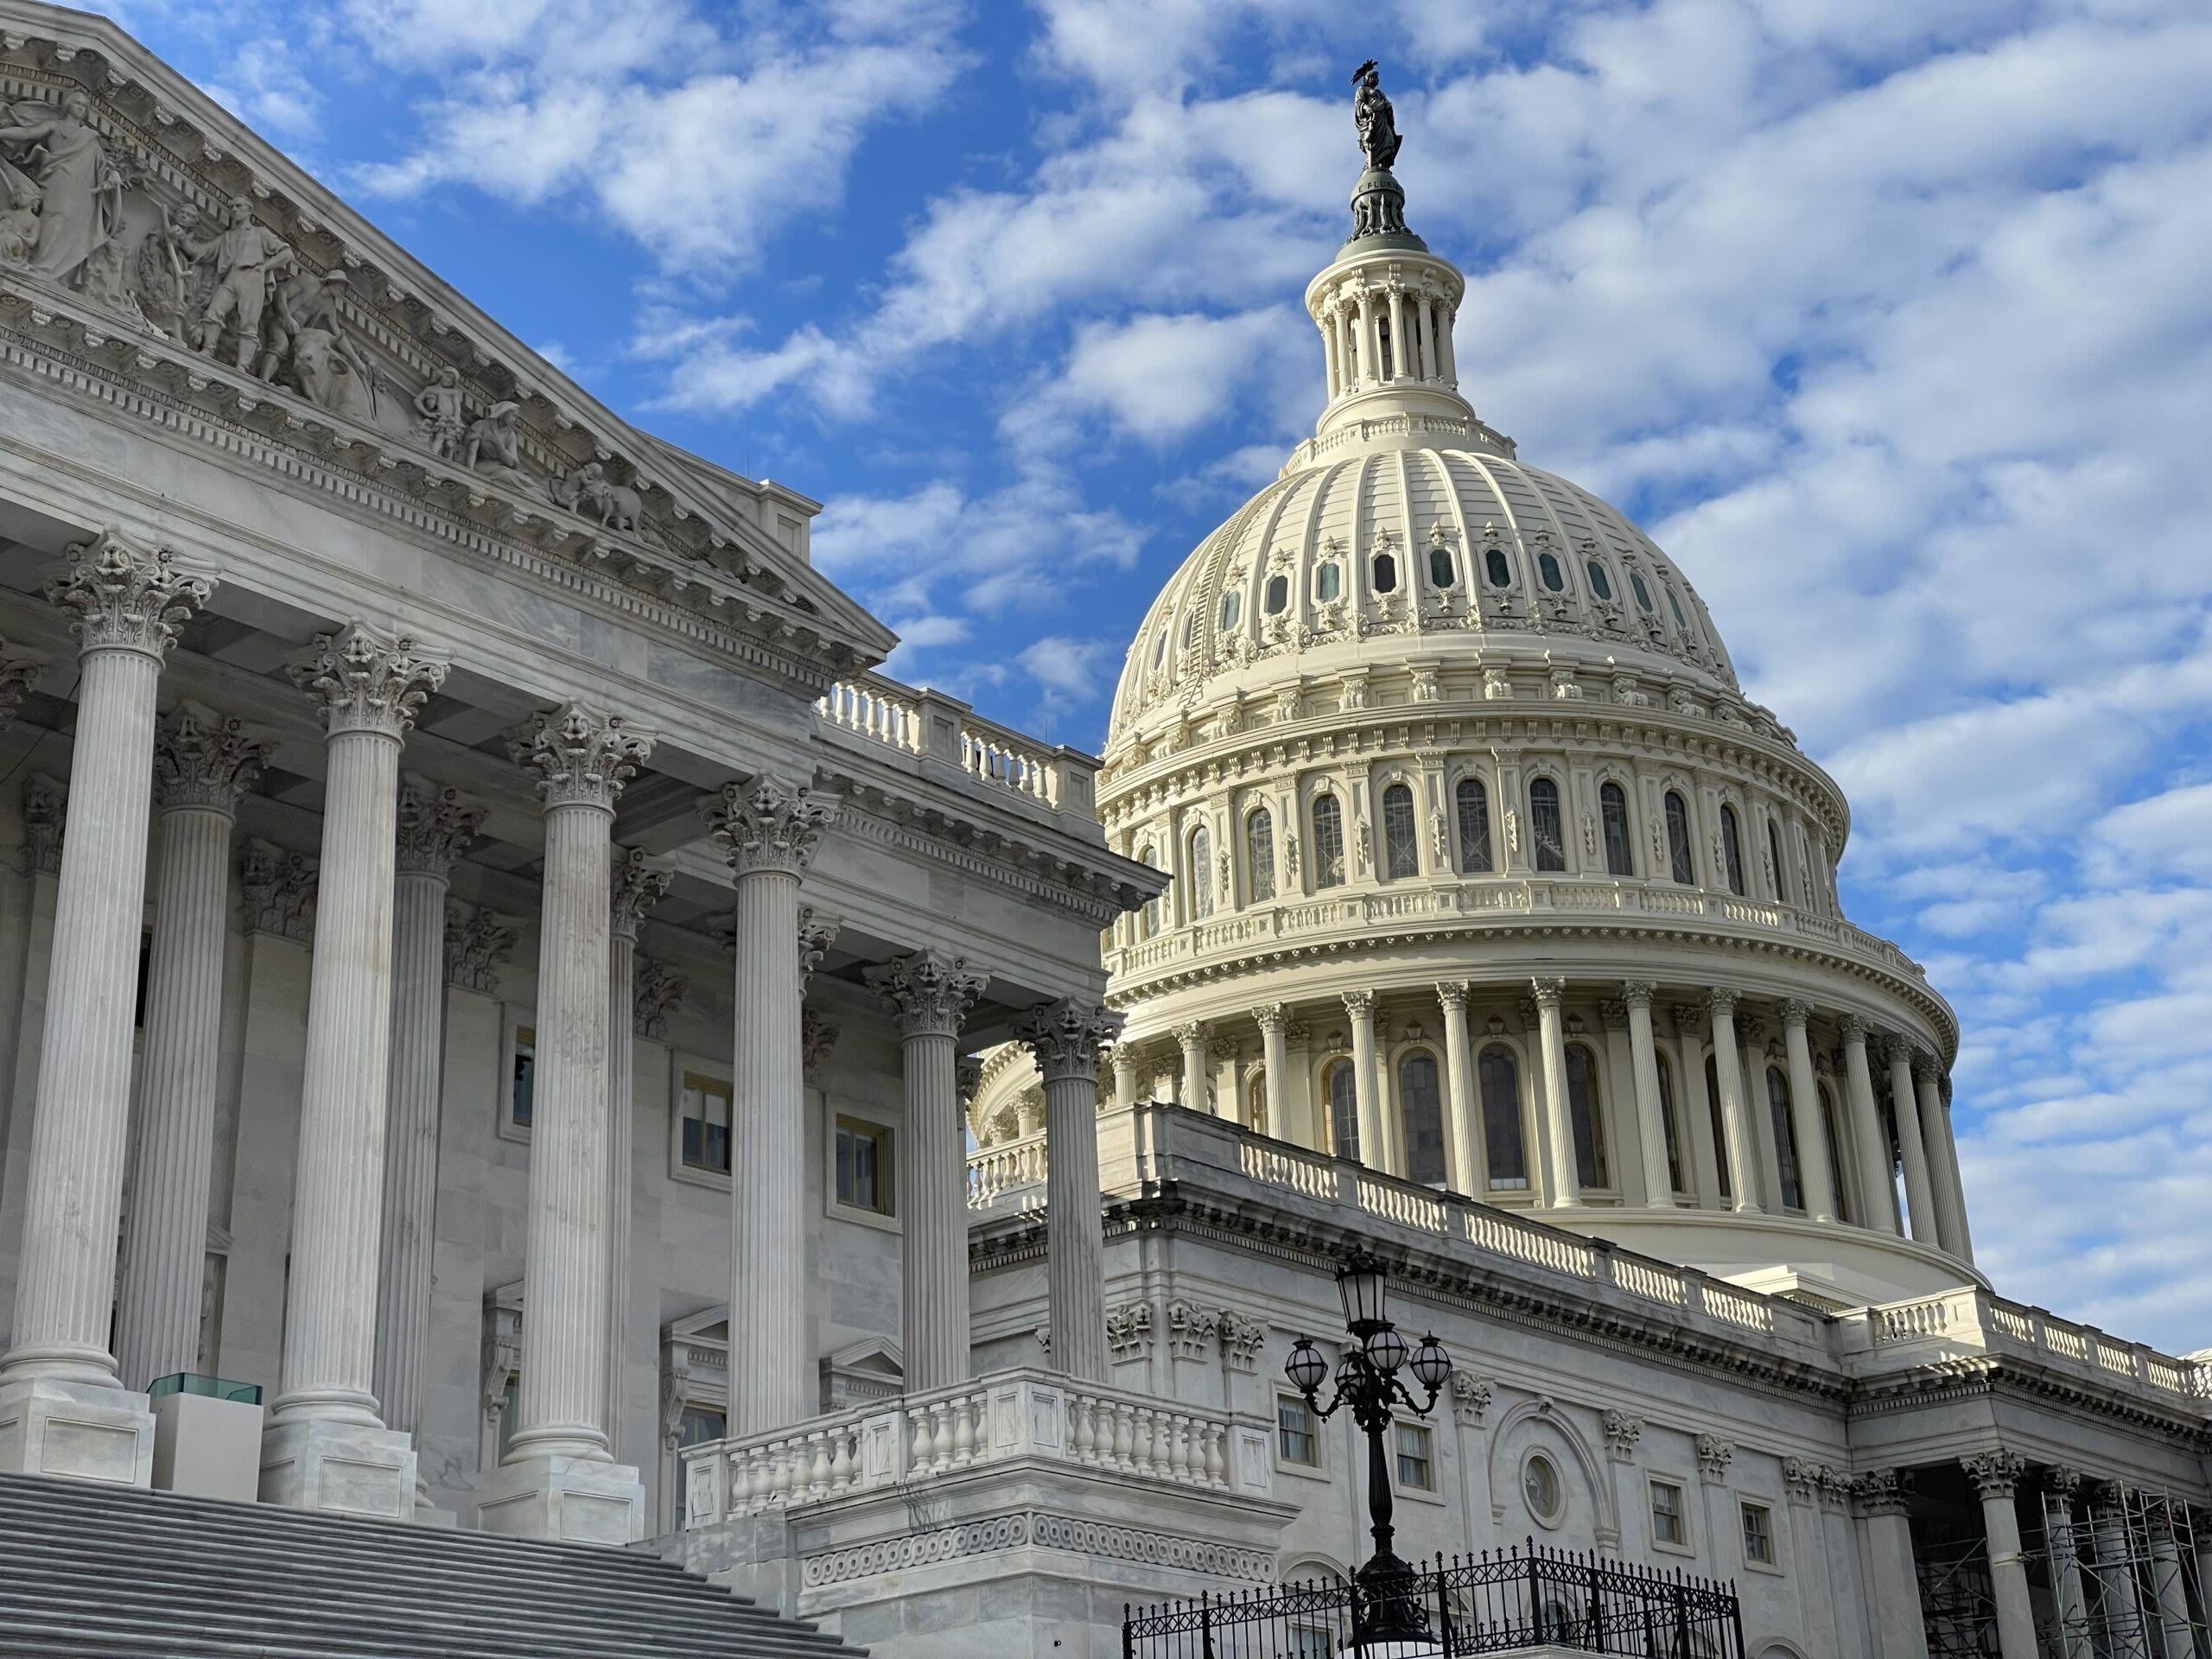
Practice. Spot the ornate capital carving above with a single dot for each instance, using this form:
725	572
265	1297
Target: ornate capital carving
1713	1455
968	1076
1272	1017
1796	1013
365	681
1190	1035
279	890
1923	1065
1451	997
1854	1029
816	1036
1637	994
582	757
1549	993
1720	1004
1360	1004
1612	1012
477	943
1996	1473
1883	1491
2063	1481
125	597
770	825
634	886
435	826
657	996
816	932
1242	1337
1471	1398
930	992
1065	1037
1801	1477
1622	1433
1128	1330
17	676
46	807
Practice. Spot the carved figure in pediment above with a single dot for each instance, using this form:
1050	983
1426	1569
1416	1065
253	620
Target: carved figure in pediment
445	415
174	286
591	493
19	224
303	326
80	192
247	260
106	286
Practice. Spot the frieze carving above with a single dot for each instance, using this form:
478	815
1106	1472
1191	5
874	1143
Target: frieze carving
769	825
635	885
279	888
478	943
1128	1331
362	680
1047	1531
659	995
125	597
45	805
581	757
435	826
930	992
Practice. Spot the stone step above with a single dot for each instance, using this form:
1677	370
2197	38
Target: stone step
94	1637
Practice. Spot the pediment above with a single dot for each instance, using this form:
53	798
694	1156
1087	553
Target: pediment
143	228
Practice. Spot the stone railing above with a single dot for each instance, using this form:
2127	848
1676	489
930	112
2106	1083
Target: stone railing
878	710
1972	1320
1009	1415
1486	897
1011	1167
1156	1144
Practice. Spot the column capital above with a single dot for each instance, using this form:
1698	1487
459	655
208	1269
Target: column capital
46	811
1715	1454
930	992
1612	1011
1883	1491
1720	1004
817	931
968	1076
125	597
1121	1056
1996	1473
1452	994
1798	1012
1359	1004
1549	993
659	993
1065	1038
1638	993
767	825
363	680
280	891
816	1036
2063	1481
477	943
1924	1065
1272	1018
435	826
634	886
1890	1049
17	676
582	757
1192	1033
1691	1020
203	760
1801	1477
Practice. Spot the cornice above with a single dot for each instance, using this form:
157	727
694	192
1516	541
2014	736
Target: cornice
1020	865
1992	1376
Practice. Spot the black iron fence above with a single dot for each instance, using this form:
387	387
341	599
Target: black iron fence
1490	1603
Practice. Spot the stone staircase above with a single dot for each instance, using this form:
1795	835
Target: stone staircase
100	1573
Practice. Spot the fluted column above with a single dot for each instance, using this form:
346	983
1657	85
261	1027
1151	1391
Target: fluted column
1273	1020
1399	367
1370	361
930	994
1947	1131
203	765
1936	1143
1893	1600
1558	1118
1374	1139
1904	1103
435	827
1065	1037
1743	1148
1650	1118
1996	1476
1459	1089
1125	1077
770	831
125	603
1877	1186
1813	1162
636	886
2064	1551
1191	1039
1702	1156
367	687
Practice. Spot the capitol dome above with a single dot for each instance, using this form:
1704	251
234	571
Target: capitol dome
1486	878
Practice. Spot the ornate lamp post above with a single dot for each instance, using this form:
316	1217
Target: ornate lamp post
1389	1608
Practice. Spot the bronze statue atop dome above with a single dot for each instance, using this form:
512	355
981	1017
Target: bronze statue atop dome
1378	205
1372	114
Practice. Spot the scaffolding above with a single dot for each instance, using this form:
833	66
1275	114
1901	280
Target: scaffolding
2123	1578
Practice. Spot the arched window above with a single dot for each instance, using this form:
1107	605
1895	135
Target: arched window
1670	1126
1278	597
1545	828
1328	842
1200	873
1828	1129
1256	1103
1386	573
1720	1126
1160	647
1586	1109
1674	605
1785	1139
1328	582
1191	631
1499	567
1548	568
1731	850
1400	834
1643	593
1232	607
1774	852
1473	801
1600	583
1613	809
1678	841
1440	573
1500	1080
1421	1106
1340	1088
1260	853
1146	856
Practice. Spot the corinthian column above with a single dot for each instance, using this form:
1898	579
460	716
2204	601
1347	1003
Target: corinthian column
770	830
1996	1476
1367	1108
1878	1184
930	994
1743	1148
1942	1159
1065	1038
1460	1089
637	887
126	603
1274	1019
1813	1162
1559	1116
325	1445
1904	1103
557	1479
435	826
202	764
1659	1159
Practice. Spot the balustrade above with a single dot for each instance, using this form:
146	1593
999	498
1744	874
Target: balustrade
1010	1167
878	710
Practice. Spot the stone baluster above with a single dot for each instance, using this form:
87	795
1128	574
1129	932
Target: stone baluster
1468	1151
326	1446
126	603
1812	1161
1367	1105
1065	1037
1905	1104
930	994
1877	1185
634	887
770	831
203	765
1558	1118
1743	1148
558	1478
1650	1114
1943	1168
1996	1477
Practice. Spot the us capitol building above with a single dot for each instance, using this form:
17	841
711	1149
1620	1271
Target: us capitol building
512	1028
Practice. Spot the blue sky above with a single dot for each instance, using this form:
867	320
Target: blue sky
1888	318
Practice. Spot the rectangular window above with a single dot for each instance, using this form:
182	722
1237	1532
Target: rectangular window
522	1085
1666	1526
1759	1535
1416	1471
864	1167
706	1109
1297	1434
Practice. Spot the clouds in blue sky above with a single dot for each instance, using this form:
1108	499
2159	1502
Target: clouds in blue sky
1888	319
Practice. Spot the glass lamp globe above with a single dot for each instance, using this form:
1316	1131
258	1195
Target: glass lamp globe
1432	1365
1386	1350
1360	1282
1307	1366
